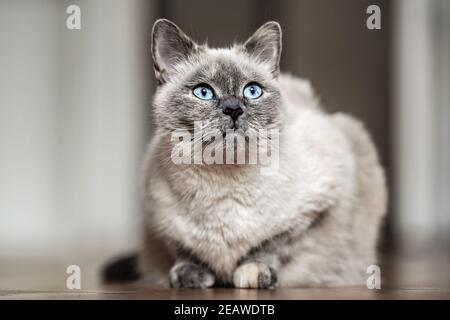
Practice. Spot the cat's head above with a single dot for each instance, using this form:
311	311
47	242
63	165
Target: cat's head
226	88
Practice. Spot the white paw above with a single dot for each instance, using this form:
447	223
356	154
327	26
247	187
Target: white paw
254	275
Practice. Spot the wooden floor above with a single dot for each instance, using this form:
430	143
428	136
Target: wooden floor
403	279
212	294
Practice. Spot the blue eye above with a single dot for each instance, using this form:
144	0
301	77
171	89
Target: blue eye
252	91
203	92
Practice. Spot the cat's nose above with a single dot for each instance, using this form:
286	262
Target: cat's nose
232	108
233	111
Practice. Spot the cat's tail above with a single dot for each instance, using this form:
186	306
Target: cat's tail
121	269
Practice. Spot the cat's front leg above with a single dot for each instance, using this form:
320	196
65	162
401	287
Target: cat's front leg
259	268
186	274
256	275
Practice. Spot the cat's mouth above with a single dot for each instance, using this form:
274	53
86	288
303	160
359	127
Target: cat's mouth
234	125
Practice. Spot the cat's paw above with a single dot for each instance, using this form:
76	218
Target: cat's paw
255	275
190	275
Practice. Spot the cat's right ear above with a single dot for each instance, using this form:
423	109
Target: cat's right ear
170	45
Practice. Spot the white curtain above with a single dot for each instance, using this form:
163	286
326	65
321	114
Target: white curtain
421	110
74	112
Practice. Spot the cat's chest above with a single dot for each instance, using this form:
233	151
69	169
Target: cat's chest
220	224
221	234
222	215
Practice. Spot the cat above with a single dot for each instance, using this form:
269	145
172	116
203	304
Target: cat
313	221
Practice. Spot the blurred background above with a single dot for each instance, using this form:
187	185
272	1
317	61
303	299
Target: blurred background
75	117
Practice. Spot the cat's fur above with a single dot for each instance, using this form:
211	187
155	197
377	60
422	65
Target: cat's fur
314	222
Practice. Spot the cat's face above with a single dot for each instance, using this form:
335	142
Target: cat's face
226	89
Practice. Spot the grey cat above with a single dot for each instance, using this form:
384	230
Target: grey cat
315	221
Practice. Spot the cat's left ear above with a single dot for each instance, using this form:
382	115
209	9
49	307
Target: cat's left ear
265	45
170	46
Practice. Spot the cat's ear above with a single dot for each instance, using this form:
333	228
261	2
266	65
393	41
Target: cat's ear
265	45
170	45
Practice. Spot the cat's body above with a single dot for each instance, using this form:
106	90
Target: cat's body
320	214
313	221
